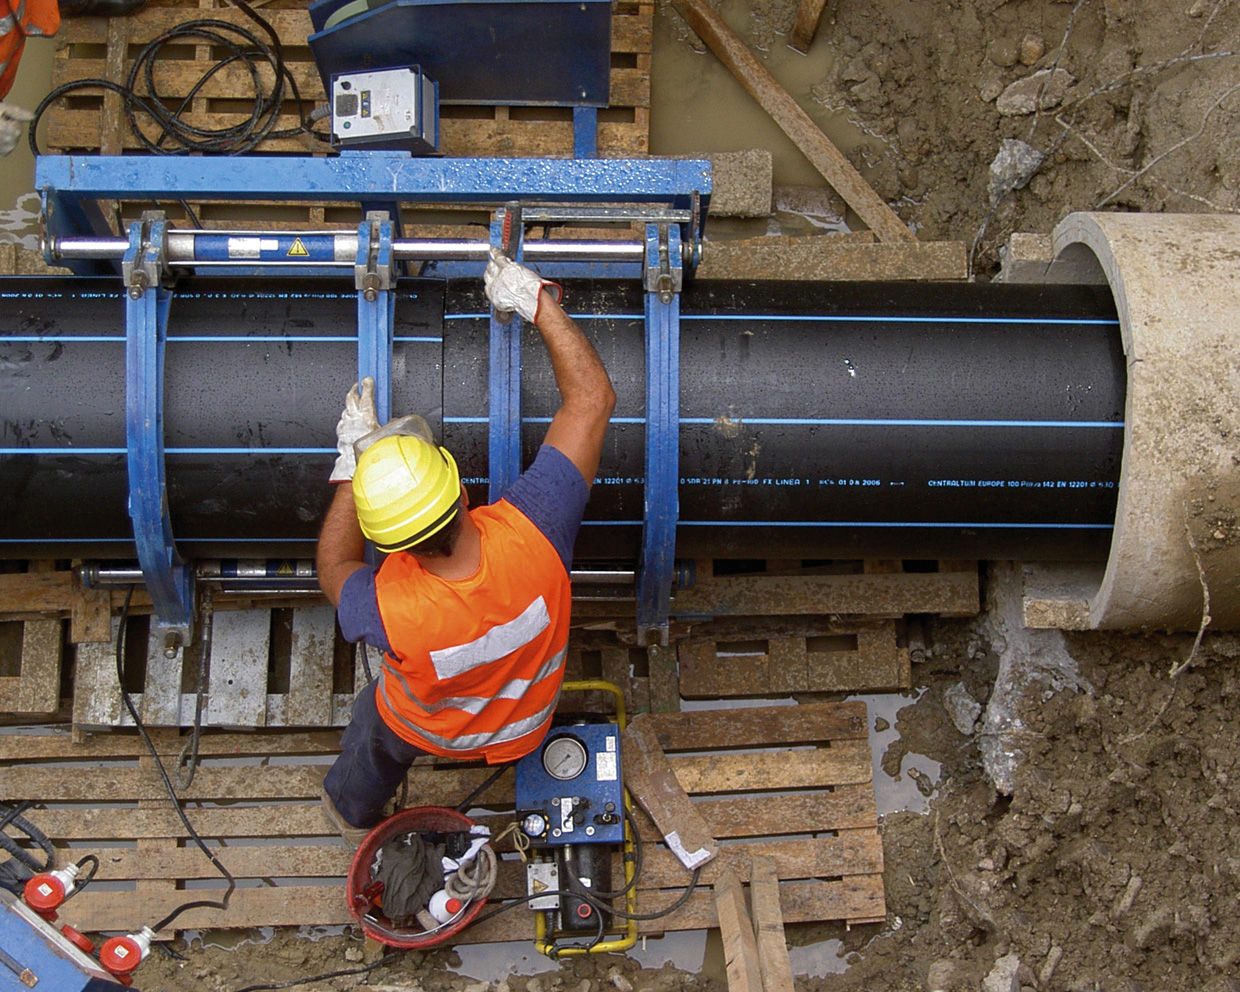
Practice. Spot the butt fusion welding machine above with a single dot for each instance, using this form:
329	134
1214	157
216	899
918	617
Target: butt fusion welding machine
385	67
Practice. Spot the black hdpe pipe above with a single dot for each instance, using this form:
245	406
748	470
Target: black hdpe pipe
817	420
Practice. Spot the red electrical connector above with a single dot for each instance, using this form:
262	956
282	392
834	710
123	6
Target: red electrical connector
48	890
122	955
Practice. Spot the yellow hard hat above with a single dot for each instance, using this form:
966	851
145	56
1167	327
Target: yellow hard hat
406	488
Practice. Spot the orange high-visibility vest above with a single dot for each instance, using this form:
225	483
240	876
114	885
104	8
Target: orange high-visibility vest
20	19
476	664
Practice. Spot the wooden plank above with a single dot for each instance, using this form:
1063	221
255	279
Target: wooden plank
809	12
859	594
60	746
239	648
850	806
854	852
96	691
629	32
833	257
310	668
697	730
322	905
112	120
664	679
80	129
175	79
844	763
740	948
768	923
90	616
793	120
35	592
650	779
36	691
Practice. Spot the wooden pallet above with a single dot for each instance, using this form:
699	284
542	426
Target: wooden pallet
91	47
854	588
773	659
257	795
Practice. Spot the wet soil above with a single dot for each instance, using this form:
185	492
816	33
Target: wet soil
1141	113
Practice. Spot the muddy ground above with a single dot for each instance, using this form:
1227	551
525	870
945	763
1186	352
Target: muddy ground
1139	105
1114	864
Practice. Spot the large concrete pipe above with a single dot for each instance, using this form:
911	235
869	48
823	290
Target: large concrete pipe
827	420
1175	553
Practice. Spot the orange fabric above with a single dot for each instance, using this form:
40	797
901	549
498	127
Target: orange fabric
438	690
19	19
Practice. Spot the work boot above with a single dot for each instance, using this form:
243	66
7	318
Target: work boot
353	836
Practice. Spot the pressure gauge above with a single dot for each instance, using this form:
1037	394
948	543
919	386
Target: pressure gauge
564	758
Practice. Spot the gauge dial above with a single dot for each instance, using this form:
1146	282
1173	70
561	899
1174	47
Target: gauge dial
565	758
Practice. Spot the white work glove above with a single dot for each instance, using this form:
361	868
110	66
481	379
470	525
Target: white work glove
357	420
12	122
511	286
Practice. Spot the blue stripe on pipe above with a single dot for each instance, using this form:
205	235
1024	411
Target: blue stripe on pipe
964	524
833	422
200	338
170	451
878	422
833	318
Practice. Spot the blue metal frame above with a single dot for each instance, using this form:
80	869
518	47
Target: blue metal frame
662	495
72	186
504	369
376	310
168	580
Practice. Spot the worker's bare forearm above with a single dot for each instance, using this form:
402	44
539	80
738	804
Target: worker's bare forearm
579	372
580	424
342	546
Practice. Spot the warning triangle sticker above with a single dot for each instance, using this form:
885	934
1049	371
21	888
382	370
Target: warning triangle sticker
298	249
538	885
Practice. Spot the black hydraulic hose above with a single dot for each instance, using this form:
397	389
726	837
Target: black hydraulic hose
13	818
222	903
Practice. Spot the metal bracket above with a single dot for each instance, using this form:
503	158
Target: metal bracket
168	580
664	278
664	269
376	307
145	264
504	376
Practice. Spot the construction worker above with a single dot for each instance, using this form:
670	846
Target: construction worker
471	607
19	20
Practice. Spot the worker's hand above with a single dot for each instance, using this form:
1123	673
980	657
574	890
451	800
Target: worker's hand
357	420
13	120
511	286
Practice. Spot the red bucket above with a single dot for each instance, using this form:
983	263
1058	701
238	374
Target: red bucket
419	819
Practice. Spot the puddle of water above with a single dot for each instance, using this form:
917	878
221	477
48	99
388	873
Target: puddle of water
891	794
818	960
698	106
491	962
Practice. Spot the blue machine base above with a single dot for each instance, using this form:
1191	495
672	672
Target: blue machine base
33	944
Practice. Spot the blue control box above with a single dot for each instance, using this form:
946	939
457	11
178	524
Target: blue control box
570	790
35	955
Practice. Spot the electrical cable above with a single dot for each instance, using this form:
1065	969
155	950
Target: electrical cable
586	896
222	903
241	45
187	760
487	782
13	818
81	883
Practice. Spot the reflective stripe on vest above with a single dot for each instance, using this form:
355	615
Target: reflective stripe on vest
496	643
476	704
472	742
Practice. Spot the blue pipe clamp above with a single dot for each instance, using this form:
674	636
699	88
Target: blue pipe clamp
169	581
